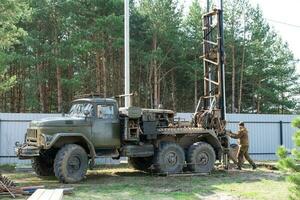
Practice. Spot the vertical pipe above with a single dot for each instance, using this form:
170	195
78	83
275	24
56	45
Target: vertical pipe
208	46
223	99
281	132
127	54
207	5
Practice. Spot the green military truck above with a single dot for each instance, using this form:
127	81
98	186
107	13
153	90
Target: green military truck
96	127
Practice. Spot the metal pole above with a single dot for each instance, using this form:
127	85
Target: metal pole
127	54
223	101
207	6
280	133
209	67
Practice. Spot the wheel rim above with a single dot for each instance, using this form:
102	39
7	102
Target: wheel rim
74	164
171	159
202	158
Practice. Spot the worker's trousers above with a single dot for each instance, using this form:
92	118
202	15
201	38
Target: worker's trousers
243	152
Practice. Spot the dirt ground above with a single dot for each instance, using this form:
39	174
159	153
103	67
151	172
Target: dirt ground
122	182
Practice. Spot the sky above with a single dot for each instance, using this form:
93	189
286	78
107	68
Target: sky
283	16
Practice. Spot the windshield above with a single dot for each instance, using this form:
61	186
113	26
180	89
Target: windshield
78	109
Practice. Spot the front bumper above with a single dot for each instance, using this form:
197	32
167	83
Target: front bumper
27	152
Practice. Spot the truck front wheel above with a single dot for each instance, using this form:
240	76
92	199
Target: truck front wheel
201	157
141	163
71	163
43	165
169	158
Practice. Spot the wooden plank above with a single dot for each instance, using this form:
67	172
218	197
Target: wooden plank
37	194
189	174
47	195
43	194
57	194
183	174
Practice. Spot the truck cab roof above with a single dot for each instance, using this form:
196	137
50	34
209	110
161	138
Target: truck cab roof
96	100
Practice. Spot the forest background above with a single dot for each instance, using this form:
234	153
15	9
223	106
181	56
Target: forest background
52	51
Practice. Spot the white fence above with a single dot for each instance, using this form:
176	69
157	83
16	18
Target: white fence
12	129
267	132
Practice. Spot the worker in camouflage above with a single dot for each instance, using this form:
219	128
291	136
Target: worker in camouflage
242	135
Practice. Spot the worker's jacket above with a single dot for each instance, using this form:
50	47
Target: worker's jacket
242	135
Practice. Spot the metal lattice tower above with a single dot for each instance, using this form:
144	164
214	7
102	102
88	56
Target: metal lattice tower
213	61
210	111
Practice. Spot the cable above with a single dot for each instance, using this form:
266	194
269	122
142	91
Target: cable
284	23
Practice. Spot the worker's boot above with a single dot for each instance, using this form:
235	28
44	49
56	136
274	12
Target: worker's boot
254	166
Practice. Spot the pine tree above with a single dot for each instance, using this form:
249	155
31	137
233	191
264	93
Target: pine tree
291	163
11	13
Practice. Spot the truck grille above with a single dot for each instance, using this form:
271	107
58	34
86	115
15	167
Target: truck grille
32	133
32	136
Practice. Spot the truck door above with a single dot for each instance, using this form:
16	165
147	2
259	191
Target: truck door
106	127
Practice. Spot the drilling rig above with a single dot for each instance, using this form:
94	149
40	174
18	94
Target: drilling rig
210	111
152	139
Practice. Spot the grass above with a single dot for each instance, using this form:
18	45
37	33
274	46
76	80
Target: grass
125	183
7	168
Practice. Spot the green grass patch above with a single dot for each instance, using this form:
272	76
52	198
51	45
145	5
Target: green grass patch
125	183
7	168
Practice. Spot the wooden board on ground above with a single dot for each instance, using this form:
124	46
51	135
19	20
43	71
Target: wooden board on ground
184	174
44	194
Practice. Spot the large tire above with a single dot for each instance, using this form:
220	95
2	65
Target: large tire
71	163
141	163
201	157
169	158
43	165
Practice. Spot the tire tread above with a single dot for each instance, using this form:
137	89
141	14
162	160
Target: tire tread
59	158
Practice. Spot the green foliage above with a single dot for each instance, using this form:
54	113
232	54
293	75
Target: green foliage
84	40
291	163
12	12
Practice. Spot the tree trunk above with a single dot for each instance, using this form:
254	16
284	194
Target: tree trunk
70	76
103	58
41	87
241	81
150	87
155	72
258	100
242	71
158	87
173	91
195	90
98	73
59	89
233	81
140	83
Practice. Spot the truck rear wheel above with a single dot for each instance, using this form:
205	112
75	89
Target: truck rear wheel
43	165
169	158
71	163
201	157
141	163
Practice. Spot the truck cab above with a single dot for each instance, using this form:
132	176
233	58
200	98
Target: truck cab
103	115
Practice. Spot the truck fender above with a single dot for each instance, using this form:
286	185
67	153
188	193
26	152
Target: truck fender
76	137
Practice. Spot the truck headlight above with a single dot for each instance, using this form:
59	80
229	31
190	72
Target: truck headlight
48	138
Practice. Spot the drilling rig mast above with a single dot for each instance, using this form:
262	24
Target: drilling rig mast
210	110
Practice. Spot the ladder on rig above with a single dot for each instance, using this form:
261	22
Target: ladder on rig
213	101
